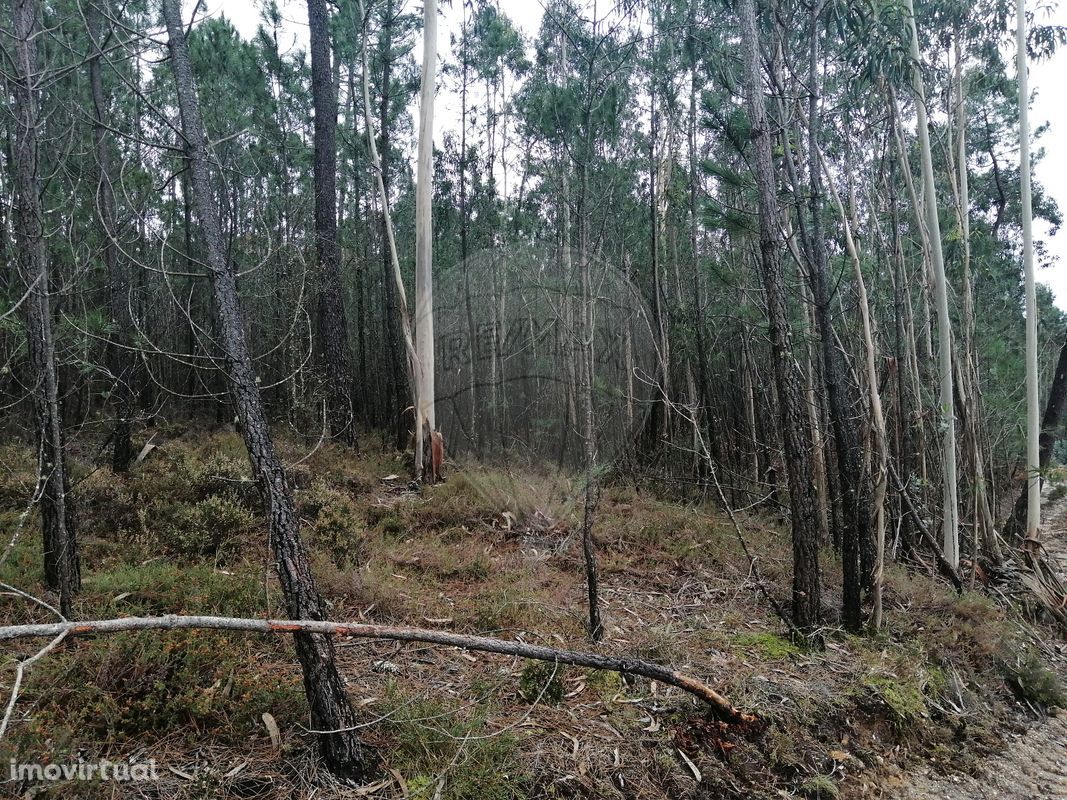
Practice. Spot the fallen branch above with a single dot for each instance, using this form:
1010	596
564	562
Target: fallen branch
20	672
720	704
946	569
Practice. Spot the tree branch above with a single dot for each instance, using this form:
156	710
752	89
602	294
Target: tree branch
722	707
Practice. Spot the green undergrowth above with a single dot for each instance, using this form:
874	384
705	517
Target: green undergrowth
1031	679
141	686
162	587
446	749
483	553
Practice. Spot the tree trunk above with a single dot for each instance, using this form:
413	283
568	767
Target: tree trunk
967	381
1050	425
393	277
425	419
879	466
61	568
397	360
855	528
333	326
796	436
1033	430
950	523
121	361
330	708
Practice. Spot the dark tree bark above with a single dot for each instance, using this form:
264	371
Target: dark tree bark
333	325
61	569
121	361
795	433
856	523
1050	431
330	708
397	369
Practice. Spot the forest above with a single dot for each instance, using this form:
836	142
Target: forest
481	399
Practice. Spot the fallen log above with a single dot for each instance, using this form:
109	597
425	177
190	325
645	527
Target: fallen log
721	706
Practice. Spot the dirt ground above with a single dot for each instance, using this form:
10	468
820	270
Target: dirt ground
1034	763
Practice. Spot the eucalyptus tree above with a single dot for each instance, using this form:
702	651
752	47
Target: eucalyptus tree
1033	422
332	715
425	418
949	511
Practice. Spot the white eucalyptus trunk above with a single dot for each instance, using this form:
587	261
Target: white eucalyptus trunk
425	420
1033	418
950	521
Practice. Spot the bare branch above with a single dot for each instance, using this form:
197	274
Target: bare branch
719	704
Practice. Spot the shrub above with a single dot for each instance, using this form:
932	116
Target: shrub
105	503
162	587
1031	680
300	476
222	475
175	473
821	787
541	682
385	519
18	474
337	526
145	682
207	528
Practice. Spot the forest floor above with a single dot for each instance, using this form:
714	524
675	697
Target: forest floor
495	552
1034	762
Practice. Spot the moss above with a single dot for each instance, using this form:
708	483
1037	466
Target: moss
765	645
902	696
605	682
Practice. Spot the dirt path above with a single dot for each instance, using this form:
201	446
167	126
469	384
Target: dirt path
1034	763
